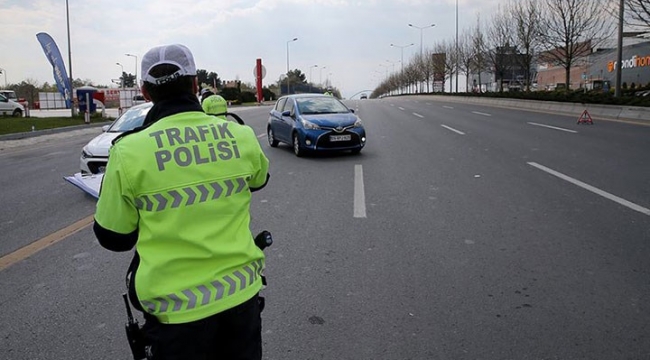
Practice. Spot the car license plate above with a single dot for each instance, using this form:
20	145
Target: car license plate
340	137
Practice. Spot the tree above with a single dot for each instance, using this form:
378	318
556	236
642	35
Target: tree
465	56
526	15
297	77
569	29
128	80
208	79
499	49
28	90
479	50
637	12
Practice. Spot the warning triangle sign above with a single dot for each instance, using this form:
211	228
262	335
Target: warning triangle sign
585	118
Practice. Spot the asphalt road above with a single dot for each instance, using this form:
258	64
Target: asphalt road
459	232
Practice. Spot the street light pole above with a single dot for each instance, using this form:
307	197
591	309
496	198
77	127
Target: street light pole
393	63
310	82
121	75
73	111
136	69
402	49
619	50
320	76
421	52
457	47
288	42
421	28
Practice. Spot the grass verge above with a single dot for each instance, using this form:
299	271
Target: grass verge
12	125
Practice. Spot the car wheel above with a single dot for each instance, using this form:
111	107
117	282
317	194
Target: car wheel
17	113
296	146
273	142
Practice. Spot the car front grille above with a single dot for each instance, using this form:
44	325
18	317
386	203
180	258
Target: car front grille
96	167
325	143
337	129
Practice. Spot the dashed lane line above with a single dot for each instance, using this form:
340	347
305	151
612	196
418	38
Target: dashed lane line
452	129
594	190
418	115
481	113
359	193
553	127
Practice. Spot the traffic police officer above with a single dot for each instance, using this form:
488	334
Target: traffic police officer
179	190
215	105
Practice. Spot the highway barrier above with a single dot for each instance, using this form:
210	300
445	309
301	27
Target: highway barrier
597	111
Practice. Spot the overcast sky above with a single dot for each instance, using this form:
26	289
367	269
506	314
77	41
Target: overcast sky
347	39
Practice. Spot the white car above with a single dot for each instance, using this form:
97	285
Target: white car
94	155
10	107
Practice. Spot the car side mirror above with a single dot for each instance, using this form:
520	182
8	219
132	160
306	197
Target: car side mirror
286	113
105	128
352	111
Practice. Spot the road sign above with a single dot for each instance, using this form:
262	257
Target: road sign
585	118
263	71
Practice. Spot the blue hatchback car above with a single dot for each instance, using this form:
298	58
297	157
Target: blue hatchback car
315	122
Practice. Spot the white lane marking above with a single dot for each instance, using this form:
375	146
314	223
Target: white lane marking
553	127
595	190
481	113
452	129
418	115
359	193
261	136
401	108
448	107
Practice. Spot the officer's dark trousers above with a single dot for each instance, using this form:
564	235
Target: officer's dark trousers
235	334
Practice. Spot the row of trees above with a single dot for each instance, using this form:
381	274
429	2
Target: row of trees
519	34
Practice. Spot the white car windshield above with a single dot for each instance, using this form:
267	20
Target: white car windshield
131	119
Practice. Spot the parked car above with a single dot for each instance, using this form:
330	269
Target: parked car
9	94
315	122
10	107
139	99
363	96
94	155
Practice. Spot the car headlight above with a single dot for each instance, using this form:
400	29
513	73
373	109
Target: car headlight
85	153
310	125
358	123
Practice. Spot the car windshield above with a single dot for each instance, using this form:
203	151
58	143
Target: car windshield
320	105
131	119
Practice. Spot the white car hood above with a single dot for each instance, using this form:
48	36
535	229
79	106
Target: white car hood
101	143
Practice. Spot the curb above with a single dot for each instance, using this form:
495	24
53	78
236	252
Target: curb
30	134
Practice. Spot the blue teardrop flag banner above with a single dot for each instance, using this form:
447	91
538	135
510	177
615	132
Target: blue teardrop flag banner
54	56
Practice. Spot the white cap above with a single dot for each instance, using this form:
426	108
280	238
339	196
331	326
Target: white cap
174	54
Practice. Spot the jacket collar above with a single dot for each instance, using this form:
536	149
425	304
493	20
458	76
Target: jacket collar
168	107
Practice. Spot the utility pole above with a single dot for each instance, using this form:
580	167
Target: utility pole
73	110
619	50
456	46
